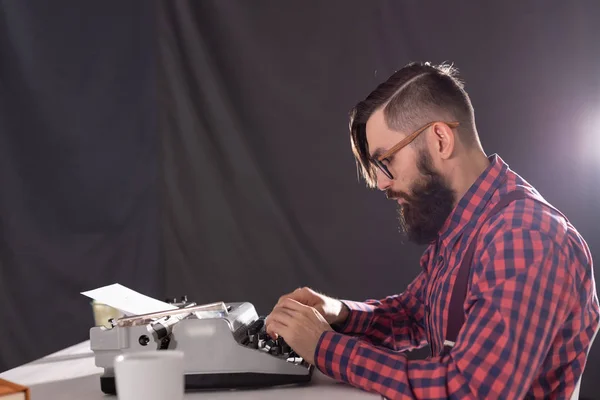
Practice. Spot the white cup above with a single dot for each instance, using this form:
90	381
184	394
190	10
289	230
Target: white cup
152	375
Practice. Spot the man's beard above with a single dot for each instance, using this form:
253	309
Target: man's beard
429	205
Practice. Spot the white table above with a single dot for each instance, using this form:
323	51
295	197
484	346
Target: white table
71	374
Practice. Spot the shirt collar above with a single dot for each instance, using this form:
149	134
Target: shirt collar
472	204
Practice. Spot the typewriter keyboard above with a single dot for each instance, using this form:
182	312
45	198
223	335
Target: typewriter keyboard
257	338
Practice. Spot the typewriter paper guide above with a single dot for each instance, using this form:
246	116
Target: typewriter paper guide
126	300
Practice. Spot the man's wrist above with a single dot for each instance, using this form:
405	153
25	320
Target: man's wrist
344	313
342	317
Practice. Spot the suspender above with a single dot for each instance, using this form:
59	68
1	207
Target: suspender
456	317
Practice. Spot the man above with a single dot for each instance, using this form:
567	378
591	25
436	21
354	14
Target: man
506	297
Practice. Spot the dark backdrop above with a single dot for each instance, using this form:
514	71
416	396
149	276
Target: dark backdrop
249	164
259	187
78	166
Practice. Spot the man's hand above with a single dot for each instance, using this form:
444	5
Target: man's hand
334	311
300	326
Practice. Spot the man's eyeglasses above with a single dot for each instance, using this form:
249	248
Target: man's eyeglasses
378	161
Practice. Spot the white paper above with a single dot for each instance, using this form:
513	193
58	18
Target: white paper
128	301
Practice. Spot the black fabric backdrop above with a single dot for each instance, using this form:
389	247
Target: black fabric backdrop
78	166
243	186
260	191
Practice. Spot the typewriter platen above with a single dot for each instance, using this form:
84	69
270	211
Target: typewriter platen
225	346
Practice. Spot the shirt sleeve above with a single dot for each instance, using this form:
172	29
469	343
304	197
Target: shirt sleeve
516	306
396	322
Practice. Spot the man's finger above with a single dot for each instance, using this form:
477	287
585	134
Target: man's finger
280	316
269	324
293	304
283	314
301	295
293	294
277	329
297	307
282	298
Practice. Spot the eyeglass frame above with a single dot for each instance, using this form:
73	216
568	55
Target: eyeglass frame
403	143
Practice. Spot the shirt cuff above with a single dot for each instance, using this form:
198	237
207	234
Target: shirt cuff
359	317
333	354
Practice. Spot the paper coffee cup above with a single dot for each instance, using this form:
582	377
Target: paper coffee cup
150	375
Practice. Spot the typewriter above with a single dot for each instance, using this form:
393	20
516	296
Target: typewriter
225	346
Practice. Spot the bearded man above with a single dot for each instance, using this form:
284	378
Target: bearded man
505	299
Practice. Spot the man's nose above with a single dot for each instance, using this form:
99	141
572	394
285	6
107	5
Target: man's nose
383	182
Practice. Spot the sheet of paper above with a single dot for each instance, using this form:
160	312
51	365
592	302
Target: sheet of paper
128	301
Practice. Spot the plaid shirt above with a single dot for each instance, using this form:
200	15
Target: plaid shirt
531	310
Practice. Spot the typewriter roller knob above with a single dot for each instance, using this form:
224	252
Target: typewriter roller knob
144	340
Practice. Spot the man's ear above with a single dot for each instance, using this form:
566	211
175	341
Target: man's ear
445	139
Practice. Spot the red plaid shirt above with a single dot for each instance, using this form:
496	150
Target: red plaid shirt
531	310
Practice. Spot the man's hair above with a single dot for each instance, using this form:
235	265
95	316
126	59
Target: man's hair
412	97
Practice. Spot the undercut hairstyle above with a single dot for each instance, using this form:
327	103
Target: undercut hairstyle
412	97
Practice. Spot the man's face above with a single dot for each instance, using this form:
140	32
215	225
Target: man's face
425	200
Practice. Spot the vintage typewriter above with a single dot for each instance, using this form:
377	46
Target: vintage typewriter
225	346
